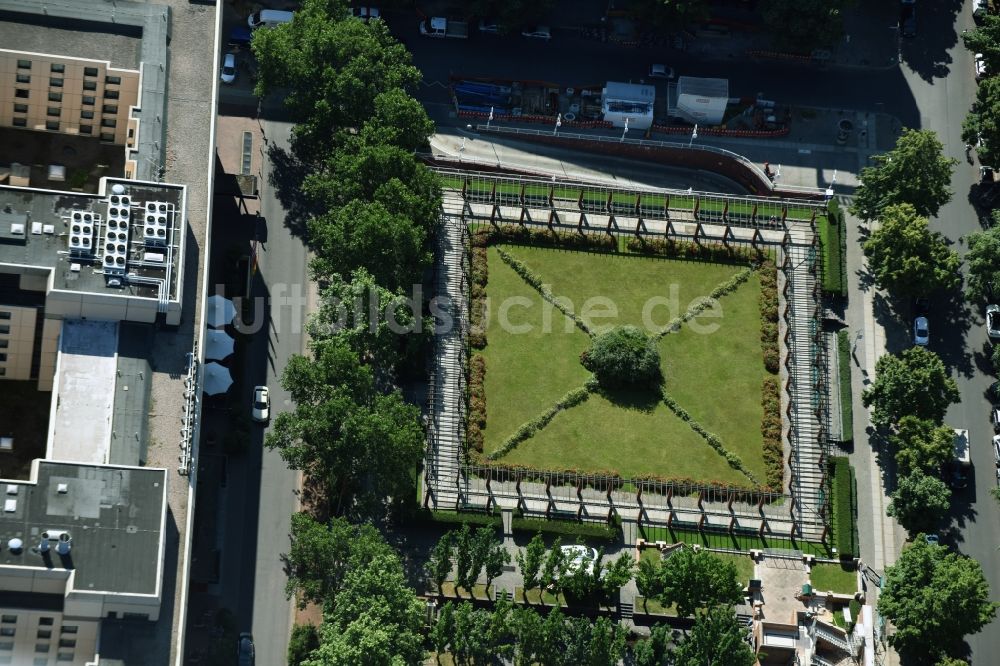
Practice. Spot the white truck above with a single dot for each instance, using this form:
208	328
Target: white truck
439	26
961	466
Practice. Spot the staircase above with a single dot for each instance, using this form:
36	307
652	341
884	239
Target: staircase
807	434
626	610
446	408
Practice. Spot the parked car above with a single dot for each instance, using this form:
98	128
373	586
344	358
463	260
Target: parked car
268	18
261	404
980	8
577	557
244	650
537	32
228	74
661	72
932	539
908	20
995	418
996	449
993	321
489	25
365	13
980	66
921	331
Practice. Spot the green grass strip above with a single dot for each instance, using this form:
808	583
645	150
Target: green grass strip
536	283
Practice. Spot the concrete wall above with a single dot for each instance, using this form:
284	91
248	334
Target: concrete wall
66	101
29	634
51	329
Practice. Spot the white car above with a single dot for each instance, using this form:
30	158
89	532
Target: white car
366	13
980	66
996	449
228	74
577	557
993	321
537	32
661	72
261	404
995	418
921	331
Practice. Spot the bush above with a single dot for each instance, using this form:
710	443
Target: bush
303	641
770	429
769	316
623	356
846	406
844	507
527	430
477	402
573	528
544	237
716	252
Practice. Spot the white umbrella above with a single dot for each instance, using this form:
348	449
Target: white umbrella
220	311
217	379
218	344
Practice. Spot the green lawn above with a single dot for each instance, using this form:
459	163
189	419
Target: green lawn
834	578
741	542
744	566
717	376
525	373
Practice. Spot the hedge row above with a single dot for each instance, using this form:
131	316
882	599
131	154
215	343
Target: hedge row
527	430
703	303
536	283
477	401
768	273
770	428
512	233
844	367
717	252
844	506
734	460
477	307
571	528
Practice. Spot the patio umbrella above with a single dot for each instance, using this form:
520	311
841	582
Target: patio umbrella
217	379
220	311
218	344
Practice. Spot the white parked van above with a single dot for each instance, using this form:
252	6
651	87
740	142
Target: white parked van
268	18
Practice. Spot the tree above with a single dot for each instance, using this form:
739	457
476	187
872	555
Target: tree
398	120
470	643
694	579
440	563
623	356
617	575
715	638
528	635
554	636
984	272
303	641
915	172
529	561
934	597
607	644
443	630
907	259
500	629
655	650
804	25
922	445
555	565
465	575
580	580
920	502
649	579
913	383
495	558
669	15
985	39
981	128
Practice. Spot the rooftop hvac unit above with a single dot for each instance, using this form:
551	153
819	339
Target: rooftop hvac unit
115	259
81	233
157	222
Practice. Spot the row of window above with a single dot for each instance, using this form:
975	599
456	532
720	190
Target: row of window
39	661
54	125
56	111
61	69
24	93
43	622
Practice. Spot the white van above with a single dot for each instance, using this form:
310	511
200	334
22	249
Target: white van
268	18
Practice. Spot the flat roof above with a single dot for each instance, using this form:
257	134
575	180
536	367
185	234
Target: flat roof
114	516
129	422
85	392
36	230
117	44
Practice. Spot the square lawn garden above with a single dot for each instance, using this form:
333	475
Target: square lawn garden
716	377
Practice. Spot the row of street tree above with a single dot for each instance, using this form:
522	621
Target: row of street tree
933	597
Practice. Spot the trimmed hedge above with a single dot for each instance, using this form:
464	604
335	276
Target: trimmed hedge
529	276
768	274
515	234
527	430
680	249
477	306
704	302
844	510
846	406
770	429
518	524
477	401
833	238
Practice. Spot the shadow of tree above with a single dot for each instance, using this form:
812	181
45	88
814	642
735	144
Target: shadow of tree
637	398
927	54
286	177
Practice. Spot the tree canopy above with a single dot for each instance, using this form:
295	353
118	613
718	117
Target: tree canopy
923	445
915	172
981	128
906	258
623	356
934	597
920	502
715	638
914	383
690	579
670	15
985	39
984	269
804	25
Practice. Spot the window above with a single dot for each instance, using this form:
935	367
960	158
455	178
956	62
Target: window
7	619
53	111
67	642
19	122
108	122
65	656
110	108
41	647
108	137
55	82
4	328
45	633
68	629
4	343
24	78
24	64
87	114
86	129
55	97
52	125
113	80
6	631
90	71
3	359
110	94
90	85
21	93
88	100
45	621
57	68
20	108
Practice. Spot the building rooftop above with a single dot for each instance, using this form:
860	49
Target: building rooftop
95	243
114	517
